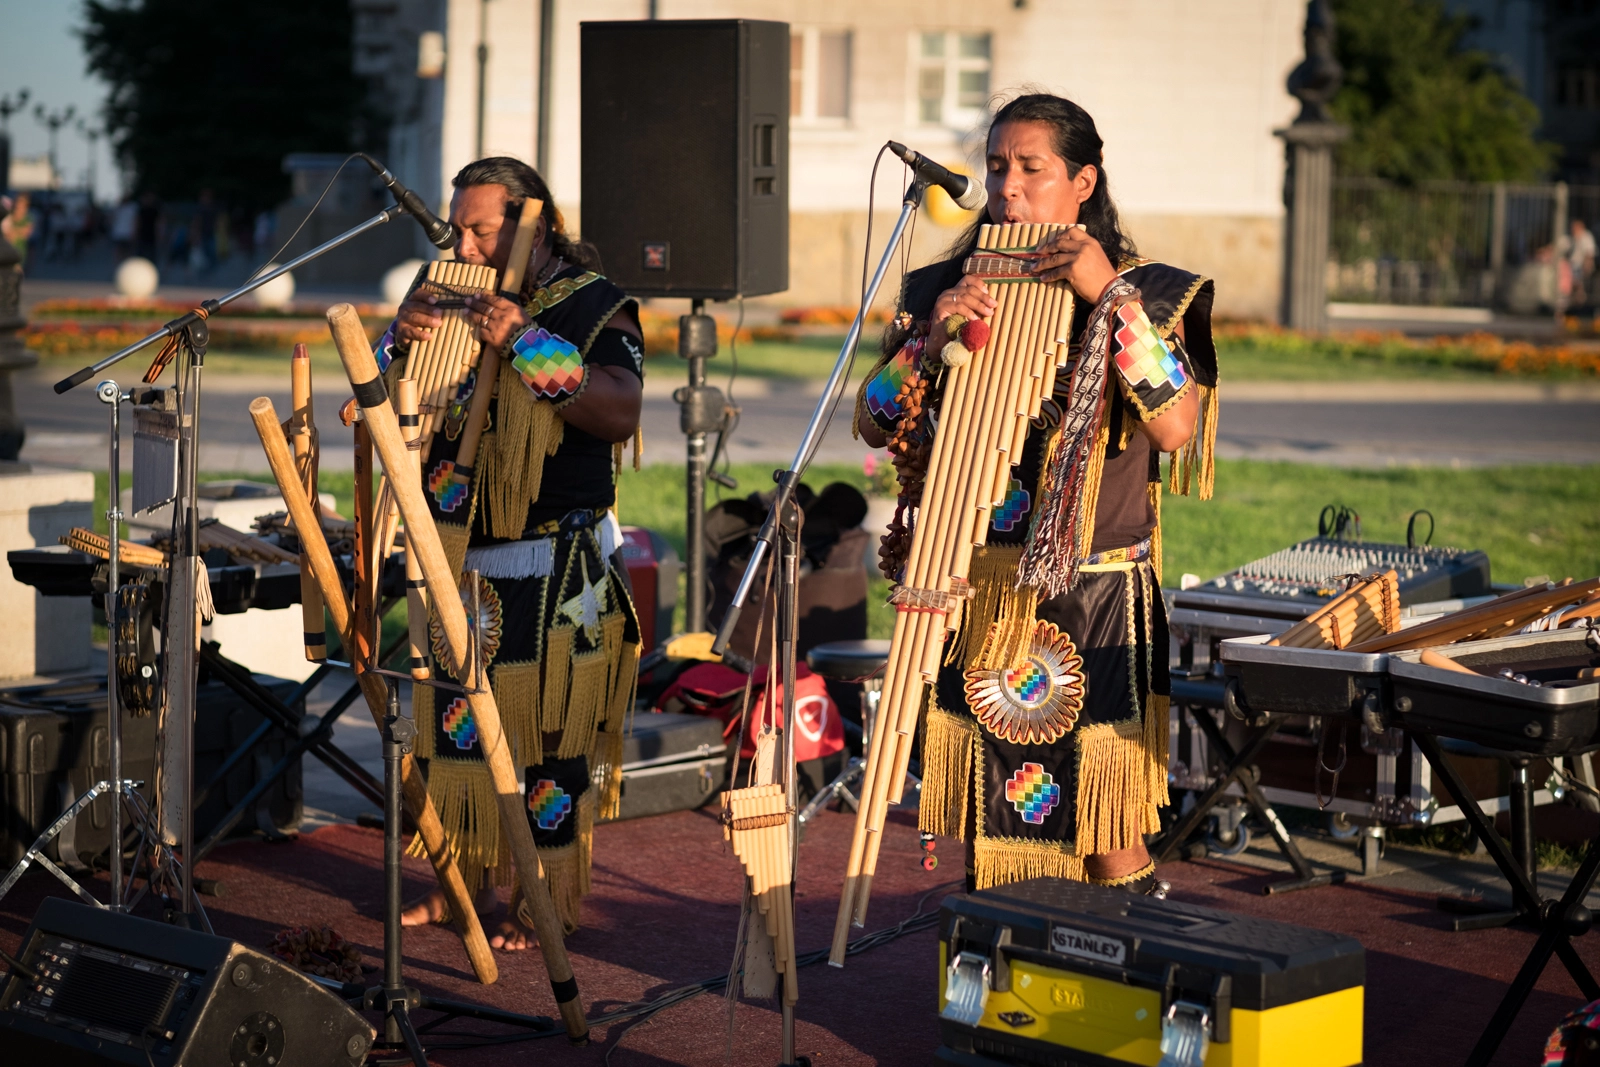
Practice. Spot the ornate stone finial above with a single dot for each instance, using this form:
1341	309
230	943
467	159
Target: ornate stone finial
1319	75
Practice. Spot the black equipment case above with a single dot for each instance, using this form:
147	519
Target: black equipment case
54	746
671	762
1066	974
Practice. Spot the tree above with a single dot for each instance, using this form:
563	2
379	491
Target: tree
214	95
1420	105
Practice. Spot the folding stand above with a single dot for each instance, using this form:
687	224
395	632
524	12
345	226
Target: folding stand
1558	921
1236	767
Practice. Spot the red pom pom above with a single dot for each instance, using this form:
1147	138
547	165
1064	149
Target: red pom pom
974	335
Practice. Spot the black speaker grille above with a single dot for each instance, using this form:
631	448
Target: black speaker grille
112	995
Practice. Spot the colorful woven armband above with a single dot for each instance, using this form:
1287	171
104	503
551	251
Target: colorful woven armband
550	366
1153	377
388	348
883	398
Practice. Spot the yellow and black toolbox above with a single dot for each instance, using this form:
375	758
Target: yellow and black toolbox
1064	974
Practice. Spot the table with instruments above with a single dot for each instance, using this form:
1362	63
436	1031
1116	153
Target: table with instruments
1548	708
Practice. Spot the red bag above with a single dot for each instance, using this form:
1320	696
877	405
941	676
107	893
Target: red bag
716	690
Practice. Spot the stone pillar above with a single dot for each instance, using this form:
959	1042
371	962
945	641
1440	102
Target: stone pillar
1308	176
1308	198
12	355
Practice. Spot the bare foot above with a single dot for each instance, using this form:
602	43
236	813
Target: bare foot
425	910
431	907
512	936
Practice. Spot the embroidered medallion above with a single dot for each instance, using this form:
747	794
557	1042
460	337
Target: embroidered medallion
1143	359
1033	792
1011	510
549	803
1037	699
459	725
584	609
488	623
551	366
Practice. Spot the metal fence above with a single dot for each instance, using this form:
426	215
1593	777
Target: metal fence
1463	244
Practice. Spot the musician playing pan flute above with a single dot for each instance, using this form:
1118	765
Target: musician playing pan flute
558	636
1066	595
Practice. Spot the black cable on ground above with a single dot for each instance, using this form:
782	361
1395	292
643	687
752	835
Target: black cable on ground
643	1010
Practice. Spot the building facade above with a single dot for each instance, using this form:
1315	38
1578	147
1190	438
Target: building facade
1185	95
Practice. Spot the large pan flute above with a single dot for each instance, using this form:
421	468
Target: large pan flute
441	363
984	418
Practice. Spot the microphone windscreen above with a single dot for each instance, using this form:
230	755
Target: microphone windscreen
974	198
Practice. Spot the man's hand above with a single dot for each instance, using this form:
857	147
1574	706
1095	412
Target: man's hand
498	320
417	319
970	299
1072	256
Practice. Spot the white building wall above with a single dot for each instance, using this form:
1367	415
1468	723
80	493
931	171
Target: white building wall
1185	95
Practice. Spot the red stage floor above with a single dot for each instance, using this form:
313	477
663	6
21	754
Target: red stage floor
666	905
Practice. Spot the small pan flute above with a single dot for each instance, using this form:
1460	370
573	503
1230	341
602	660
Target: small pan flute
441	363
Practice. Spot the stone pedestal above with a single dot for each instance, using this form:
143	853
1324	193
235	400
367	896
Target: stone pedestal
1308	196
42	635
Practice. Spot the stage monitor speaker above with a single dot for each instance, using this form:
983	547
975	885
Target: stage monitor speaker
686	155
111	988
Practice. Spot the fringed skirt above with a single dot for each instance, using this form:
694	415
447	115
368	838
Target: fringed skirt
1033	810
560	648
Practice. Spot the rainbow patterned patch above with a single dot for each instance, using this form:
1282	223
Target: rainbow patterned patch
1011	510
450	493
1033	792
886	384
550	365
385	349
1029	683
459	725
1143	358
549	803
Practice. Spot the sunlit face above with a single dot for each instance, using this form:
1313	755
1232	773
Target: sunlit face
1028	182
484	230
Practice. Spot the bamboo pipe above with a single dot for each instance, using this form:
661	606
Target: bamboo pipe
373	689
350	339
362	649
489	361
303	428
405	395
1512	610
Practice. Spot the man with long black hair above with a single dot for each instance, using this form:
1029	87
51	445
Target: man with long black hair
556	626
1078	802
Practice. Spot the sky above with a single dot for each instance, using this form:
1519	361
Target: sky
39	50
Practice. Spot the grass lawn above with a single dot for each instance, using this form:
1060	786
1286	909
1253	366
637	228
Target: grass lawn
1531	520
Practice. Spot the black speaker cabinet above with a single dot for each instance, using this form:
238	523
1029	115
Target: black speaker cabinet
115	989
686	155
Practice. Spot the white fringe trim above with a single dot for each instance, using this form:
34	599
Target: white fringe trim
610	536
514	559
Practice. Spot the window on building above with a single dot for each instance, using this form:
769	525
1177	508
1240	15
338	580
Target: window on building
952	77
1578	87
819	75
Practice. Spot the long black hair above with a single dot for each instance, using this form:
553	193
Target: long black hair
1074	138
522	181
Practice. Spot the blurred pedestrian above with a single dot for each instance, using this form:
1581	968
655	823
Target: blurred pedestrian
147	228
203	234
1581	255
125	227
17	227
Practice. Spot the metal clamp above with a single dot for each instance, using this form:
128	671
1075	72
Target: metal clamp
966	988
1185	1035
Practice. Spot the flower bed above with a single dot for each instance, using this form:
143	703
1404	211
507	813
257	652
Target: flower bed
78	337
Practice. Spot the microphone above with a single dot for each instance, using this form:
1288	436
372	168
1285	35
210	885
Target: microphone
440	232
968	193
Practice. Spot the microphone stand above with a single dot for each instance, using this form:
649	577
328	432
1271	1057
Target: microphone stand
180	635
789	479
783	526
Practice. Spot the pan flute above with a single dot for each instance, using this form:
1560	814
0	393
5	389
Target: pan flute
441	363
984	419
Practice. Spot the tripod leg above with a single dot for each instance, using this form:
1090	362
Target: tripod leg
402	1022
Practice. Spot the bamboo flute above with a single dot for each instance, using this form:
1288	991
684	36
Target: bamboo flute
1510	611
379	418
489	361
405	395
373	689
303	429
